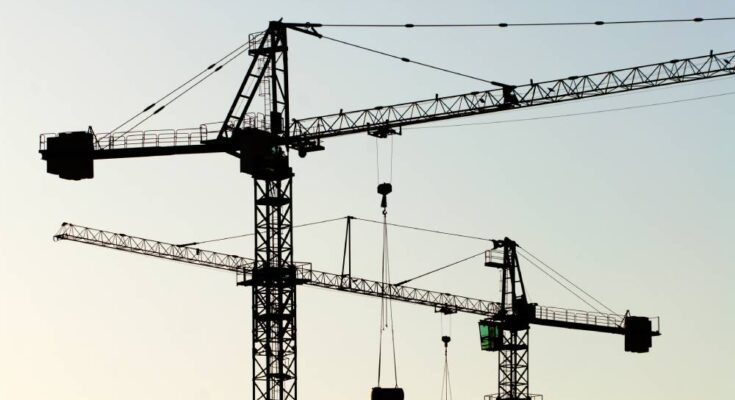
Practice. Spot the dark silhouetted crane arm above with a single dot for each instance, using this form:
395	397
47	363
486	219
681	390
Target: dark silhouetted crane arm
508	97
306	133
243	267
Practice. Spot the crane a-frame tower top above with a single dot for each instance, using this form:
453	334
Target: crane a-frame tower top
262	141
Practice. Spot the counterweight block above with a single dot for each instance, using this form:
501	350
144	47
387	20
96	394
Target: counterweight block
638	334
69	155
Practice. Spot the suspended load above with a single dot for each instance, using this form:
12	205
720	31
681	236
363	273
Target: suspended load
379	393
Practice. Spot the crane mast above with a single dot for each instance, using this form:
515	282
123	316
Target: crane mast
273	280
512	322
262	142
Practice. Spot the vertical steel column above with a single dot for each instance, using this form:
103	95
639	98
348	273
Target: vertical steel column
264	156
274	293
513	366
513	354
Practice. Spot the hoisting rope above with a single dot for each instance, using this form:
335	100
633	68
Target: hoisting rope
377	160
446	390
386	305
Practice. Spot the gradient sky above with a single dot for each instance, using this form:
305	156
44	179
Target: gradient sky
637	206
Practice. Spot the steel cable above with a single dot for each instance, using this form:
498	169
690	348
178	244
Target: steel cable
560	283
567	280
531	24
210	67
405	59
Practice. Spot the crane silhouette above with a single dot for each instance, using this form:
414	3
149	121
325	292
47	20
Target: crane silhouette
504	328
262	141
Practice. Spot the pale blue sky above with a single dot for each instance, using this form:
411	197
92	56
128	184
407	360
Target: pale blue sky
635	206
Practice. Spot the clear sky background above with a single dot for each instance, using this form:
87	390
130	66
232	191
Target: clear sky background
635	206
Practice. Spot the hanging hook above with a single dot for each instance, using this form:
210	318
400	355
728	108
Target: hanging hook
384	189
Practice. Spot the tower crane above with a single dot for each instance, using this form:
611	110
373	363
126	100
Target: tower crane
503	329
262	142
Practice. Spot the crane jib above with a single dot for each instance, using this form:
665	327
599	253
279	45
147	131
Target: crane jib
540	315
511	97
70	154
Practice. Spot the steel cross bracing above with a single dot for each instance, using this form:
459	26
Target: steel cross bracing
273	276
308	131
508	96
513	354
513	366
243	267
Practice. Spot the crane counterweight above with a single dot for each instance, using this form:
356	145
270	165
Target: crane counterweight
69	155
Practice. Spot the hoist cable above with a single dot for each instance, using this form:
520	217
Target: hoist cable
530	261
391	159
424	229
386	306
446	382
213	65
567	280
377	160
405	59
526	24
252	234
439	269
446	389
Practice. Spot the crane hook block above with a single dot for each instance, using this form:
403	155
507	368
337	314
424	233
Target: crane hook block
69	155
379	393
384	189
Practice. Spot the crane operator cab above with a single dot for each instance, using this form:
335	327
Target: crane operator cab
261	154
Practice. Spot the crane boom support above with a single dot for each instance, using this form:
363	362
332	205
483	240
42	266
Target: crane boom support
549	316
